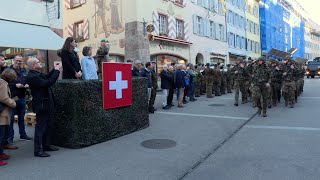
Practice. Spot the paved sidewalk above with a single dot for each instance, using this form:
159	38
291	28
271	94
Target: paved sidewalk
197	129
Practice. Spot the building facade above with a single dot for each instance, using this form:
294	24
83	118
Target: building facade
253	45
30	34
312	40
236	29
159	33
209	36
282	27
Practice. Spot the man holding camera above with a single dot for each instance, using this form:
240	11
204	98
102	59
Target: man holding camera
43	103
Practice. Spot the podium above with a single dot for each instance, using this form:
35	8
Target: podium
80	120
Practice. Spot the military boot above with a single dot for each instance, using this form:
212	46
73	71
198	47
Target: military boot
291	105
259	111
264	114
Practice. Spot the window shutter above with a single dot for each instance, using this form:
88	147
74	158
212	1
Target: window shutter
172	27
186	31
67	4
195	25
216	3
86	29
206	4
70	30
155	18
203	3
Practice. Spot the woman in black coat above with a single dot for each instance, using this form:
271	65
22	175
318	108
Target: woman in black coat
70	60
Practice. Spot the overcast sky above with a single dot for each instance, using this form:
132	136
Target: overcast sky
312	7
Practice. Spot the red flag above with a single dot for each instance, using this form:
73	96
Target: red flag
117	85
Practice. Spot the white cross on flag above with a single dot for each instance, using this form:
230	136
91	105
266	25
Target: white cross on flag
117	85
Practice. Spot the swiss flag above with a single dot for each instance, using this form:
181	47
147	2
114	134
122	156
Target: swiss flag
117	85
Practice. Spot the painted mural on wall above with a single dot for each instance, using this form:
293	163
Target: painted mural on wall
108	17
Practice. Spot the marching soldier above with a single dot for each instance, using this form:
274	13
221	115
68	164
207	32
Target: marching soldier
229	78
261	81
289	87
223	80
217	80
240	76
208	73
276	81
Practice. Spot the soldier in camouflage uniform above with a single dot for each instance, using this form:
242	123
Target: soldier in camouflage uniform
223	80
240	77
198	81
289	86
229	78
261	81
203	81
268	63
217	80
276	81
208	73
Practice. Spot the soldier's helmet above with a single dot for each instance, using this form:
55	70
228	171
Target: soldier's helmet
208	64
261	58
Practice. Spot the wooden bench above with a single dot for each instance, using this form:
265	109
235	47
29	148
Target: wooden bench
30	119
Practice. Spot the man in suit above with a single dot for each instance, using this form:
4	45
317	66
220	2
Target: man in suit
43	103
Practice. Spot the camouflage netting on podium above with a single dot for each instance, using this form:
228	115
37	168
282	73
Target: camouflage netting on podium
81	121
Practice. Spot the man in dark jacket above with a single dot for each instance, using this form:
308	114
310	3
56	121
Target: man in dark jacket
2	63
154	81
166	84
43	103
172	87
146	72
136	68
180	84
18	92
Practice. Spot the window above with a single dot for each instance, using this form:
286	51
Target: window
212	29
254	29
163	24
249	45
180	29
236	20
243	43
238	41
79	34
238	3
231	39
199	25
221	28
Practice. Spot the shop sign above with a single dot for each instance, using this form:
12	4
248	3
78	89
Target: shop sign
150	28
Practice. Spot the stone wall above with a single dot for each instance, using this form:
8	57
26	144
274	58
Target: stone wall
136	43
81	121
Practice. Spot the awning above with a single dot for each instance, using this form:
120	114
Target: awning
21	35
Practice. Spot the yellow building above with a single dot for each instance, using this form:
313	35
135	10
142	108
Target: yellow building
124	24
253	28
